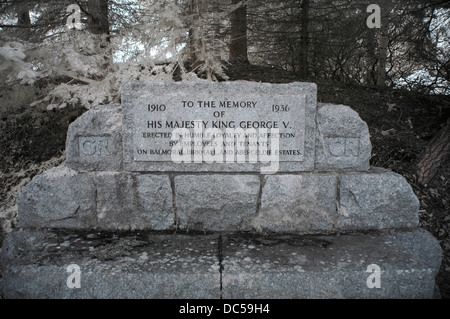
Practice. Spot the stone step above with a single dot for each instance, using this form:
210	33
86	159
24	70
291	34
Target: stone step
51	264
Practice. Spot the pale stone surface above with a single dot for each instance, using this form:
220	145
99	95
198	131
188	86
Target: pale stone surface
150	265
139	146
60	198
216	202
112	265
134	201
94	140
304	203
376	199
284	266
342	140
64	198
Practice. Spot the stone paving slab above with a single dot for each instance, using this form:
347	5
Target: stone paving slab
133	265
285	266
166	266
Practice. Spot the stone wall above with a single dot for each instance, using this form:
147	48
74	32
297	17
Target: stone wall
340	192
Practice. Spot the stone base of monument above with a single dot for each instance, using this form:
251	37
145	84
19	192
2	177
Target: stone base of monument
320	223
154	265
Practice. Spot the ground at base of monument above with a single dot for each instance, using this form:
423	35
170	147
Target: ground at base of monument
63	264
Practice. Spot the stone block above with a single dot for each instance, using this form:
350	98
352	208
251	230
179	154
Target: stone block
59	198
134	201
304	203
216	202
376	199
94	140
342	140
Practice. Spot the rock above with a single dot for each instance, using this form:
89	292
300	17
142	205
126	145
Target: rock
304	203
342	140
60	198
216	202
375	200
133	201
94	140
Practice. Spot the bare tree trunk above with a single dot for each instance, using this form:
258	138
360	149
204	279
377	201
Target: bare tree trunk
435	154
23	15
194	33
238	43
304	39
24	20
383	51
371	59
98	22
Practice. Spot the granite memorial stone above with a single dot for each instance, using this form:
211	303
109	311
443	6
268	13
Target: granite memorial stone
273	193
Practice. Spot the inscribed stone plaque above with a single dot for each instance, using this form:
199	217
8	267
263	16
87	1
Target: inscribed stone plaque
224	127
